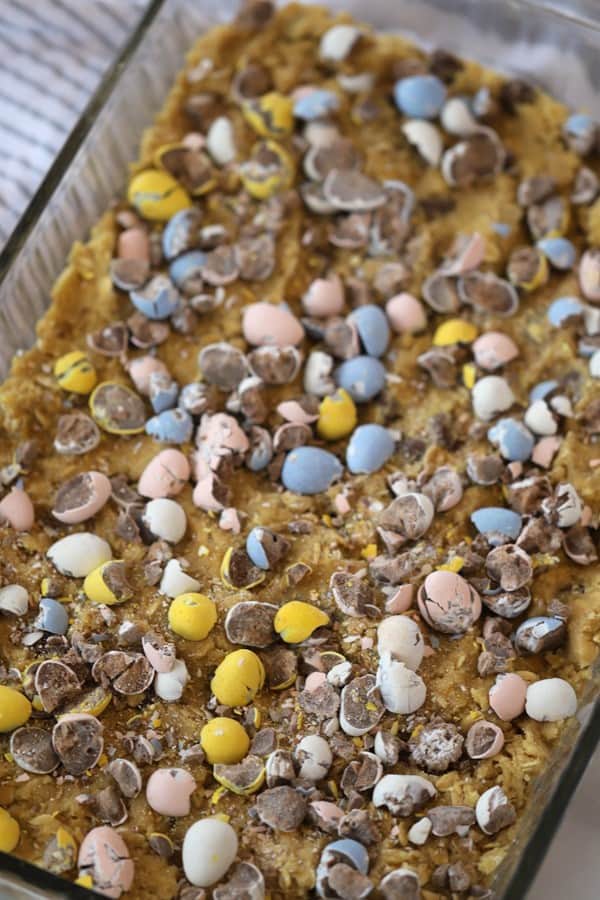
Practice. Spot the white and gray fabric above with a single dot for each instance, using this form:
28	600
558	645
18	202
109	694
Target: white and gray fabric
53	54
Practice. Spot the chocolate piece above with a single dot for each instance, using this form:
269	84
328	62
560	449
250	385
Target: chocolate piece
281	808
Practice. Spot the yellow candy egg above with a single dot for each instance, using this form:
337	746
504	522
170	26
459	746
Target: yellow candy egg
15	709
107	583
224	741
192	616
9	832
469	374
454	331
295	621
337	416
74	372
93	702
156	195
271	115
269	169
238	678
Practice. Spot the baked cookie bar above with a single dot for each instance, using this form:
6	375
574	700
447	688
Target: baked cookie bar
299	579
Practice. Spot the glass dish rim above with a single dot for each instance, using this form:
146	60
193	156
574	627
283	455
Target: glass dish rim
587	739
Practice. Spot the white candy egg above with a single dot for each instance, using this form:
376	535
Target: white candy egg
420	831
457	118
426	138
79	554
402	794
491	395
550	700
315	757
165	519
219	141
401	689
539	419
401	637
317	374
175	581
169	685
209	848
569	505
337	42
595	364
14	599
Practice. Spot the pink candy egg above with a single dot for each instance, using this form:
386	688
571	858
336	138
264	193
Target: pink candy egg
448	603
545	450
507	696
133	243
493	350
469	251
142	368
17	509
406	314
229	520
165	475
265	323
206	494
104	856
81	497
401	600
168	791
293	411
484	740
328	813
314	681
325	297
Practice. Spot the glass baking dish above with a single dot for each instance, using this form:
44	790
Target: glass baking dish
520	37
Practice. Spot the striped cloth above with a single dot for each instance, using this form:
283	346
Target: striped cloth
53	54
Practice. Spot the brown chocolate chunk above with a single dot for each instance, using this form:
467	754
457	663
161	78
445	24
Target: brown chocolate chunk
146	333
129	274
524	264
161	844
437	746
281	666
275	365
497	812
323	702
264	742
78	743
546	217
111	340
361	706
525	496
515	92
202	109
488	293
251	623
254	13
361	774
359	826
448	820
255	257
76	434
241	571
401	884
535	189
127	775
246	882
32	750
55	684
347	883
579	546
281	808
109	807
251	81
222	364
353	594
445	65
494	659
351	191
510	566
538	536
126	673
118	408
508	604
350	232
440	365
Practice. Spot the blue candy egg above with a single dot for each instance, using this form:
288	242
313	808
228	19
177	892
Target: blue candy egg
420	96
261	450
502	228
559	251
564	308
541	390
369	449
352	850
179	232
52	617
579	125
315	104
255	548
373	329
156	300
310	470
187	266
540	633
163	393
363	377
499	521
173	426
513	439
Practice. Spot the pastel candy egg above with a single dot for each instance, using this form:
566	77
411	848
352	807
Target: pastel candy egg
265	547
594	364
363	377
493	350
507	696
10	832
117	409
165	519
563	309
406	314
497	523
314	755
456	117
187	268
484	740
108	584
490	396
513	439
179	232
220	141
310	470
165	475
454	331
74	372
420	96
580	131
338	41
17	509
52	617
325	297
354	852
14	599
79	554
369	449
133	243
142	369
401	637
448	603
168	791
559	251
401	689
157	299
337	416
209	848
542	389
169	685
157	195
373	329
192	616
550	700
315	103
269	169
81	497
589	274
295	621
238	678
426	139
176	581
270	115
104	859
266	323
538	417
163	391
15	709
224	741
172	426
